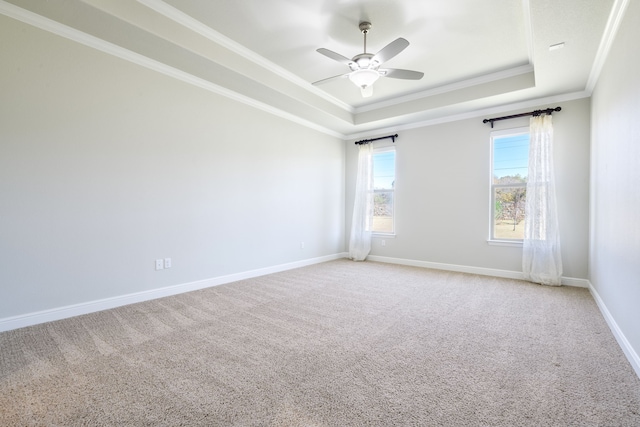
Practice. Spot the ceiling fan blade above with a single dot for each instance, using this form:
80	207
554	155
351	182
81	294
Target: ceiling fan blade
390	50
367	91
401	74
329	79
335	56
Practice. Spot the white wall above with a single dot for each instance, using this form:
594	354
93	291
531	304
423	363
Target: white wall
614	256
442	192
106	166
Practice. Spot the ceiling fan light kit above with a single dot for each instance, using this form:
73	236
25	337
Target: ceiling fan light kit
365	66
364	77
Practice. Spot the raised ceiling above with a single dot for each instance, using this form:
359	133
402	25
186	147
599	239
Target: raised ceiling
477	56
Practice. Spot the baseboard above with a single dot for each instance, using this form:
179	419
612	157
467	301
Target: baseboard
44	316
626	347
508	274
573	281
59	313
624	344
449	267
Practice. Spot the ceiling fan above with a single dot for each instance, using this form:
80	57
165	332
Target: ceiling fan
365	66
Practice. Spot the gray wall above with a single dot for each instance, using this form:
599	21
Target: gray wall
615	182
106	166
442	191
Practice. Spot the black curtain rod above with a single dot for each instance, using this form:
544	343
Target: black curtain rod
366	141
530	113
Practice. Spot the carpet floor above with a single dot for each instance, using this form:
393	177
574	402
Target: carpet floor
334	344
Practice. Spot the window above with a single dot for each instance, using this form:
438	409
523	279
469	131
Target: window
384	179
509	170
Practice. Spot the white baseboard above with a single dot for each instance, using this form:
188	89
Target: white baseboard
632	355
508	274
626	347
44	316
573	281
59	313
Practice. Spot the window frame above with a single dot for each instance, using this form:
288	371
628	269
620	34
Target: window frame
498	134
380	150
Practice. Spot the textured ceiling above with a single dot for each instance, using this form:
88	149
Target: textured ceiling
476	55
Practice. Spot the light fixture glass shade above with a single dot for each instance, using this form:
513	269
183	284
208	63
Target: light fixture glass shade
364	78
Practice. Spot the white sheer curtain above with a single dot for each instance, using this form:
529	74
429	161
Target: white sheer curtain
360	240
541	261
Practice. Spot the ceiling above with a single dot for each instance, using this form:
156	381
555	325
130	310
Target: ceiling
478	57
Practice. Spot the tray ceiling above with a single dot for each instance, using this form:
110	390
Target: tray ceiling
477	57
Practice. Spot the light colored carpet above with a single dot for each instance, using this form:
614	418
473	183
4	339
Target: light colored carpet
334	344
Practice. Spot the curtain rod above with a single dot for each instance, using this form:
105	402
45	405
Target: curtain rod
366	141
530	113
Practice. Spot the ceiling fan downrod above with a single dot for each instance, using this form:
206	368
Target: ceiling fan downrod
364	28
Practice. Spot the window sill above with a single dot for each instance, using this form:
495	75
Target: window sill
512	243
383	235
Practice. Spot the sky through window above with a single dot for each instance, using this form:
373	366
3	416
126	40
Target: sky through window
384	170
511	156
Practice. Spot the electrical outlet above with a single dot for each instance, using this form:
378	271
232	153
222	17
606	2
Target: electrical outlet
301	245
167	263
159	264
383	243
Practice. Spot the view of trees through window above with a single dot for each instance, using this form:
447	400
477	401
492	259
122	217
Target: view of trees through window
509	185
384	179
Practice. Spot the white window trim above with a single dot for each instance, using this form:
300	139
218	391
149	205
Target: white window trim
383	149
491	240
378	235
511	243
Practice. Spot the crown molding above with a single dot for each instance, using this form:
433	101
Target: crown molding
351	132
613	24
472	114
198	27
46	24
462	84
528	29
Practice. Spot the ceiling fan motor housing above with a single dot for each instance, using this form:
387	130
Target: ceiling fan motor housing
363	61
365	26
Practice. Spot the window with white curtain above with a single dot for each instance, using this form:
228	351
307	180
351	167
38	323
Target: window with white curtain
509	172
384	181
